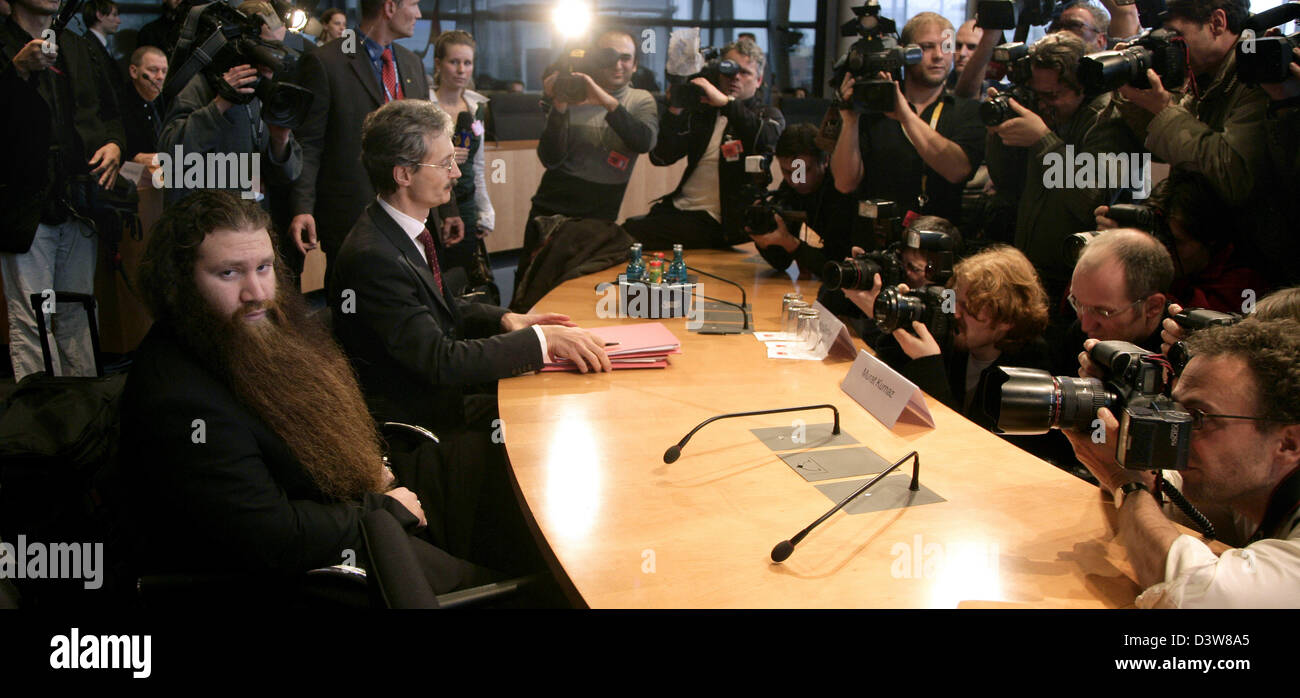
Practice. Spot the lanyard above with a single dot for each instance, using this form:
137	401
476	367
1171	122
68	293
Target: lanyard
924	198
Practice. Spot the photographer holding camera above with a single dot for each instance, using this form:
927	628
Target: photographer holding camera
714	135
205	117
596	127
1241	390
921	152
1197	228
1022	148
806	187
998	319
64	152
1119	291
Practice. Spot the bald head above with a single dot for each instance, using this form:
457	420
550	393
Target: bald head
1147	266
1120	285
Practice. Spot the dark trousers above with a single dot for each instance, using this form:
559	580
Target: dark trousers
665	226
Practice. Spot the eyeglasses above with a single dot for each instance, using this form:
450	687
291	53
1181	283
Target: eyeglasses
1199	416
449	164
1099	312
1071	25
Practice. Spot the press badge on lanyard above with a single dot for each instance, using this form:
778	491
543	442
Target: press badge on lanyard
617	160
924	198
732	149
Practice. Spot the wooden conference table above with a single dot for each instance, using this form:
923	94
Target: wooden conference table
628	531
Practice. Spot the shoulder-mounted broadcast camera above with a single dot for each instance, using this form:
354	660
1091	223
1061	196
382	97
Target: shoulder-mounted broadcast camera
1159	49
1154	430
215	38
876	51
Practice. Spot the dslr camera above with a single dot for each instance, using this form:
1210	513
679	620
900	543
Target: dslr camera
1267	59
685	95
1151	13
876	51
223	38
857	273
1014	61
1003	14
1154	430
1139	216
1192	319
1159	49
759	216
925	305
572	89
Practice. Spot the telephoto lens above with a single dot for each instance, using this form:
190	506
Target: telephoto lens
1072	246
1134	216
1027	401
925	305
858	273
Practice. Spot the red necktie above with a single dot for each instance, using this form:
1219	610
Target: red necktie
392	90
431	252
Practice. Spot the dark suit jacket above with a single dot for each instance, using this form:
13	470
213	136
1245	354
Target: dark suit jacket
239	498
414	349
755	125
333	185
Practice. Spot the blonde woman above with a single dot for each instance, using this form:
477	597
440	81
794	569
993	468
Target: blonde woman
453	67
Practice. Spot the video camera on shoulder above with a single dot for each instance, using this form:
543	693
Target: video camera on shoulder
759	215
876	51
1193	319
217	37
1159	49
572	89
1154	430
1267	59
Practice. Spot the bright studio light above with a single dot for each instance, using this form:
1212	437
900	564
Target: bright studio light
297	20
571	18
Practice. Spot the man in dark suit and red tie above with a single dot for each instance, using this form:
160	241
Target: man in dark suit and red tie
428	358
418	350
350	77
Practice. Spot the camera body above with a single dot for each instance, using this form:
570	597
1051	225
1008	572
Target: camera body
224	37
925	305
1154	430
570	88
876	51
685	95
1013	58
879	223
759	215
1002	14
1192	319
998	109
1159	49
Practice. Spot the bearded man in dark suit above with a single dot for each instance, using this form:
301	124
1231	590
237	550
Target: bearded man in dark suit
246	443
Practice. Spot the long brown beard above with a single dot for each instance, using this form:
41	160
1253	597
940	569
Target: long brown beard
292	375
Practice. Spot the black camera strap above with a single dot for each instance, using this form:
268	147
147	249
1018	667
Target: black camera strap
1281	506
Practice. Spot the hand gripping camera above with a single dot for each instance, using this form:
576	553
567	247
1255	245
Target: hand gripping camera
1154	431
760	215
876	51
1160	49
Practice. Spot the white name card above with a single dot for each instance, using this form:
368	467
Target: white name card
883	392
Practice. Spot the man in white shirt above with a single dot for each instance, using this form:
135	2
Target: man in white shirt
1242	388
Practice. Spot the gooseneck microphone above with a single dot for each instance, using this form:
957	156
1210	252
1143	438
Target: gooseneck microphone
744	299
675	451
785	548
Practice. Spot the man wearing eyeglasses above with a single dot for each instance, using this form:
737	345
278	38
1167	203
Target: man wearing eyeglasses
1022	150
1086	21
1242	387
1119	291
419	350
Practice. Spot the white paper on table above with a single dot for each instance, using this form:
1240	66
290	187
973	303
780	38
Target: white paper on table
775	336
790	350
883	392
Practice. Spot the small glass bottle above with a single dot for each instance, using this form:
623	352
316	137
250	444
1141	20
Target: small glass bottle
654	271
677	269
635	267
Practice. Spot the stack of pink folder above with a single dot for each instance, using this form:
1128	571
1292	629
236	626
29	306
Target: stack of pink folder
643	345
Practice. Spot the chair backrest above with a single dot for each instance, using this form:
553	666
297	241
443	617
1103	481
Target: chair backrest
516	116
